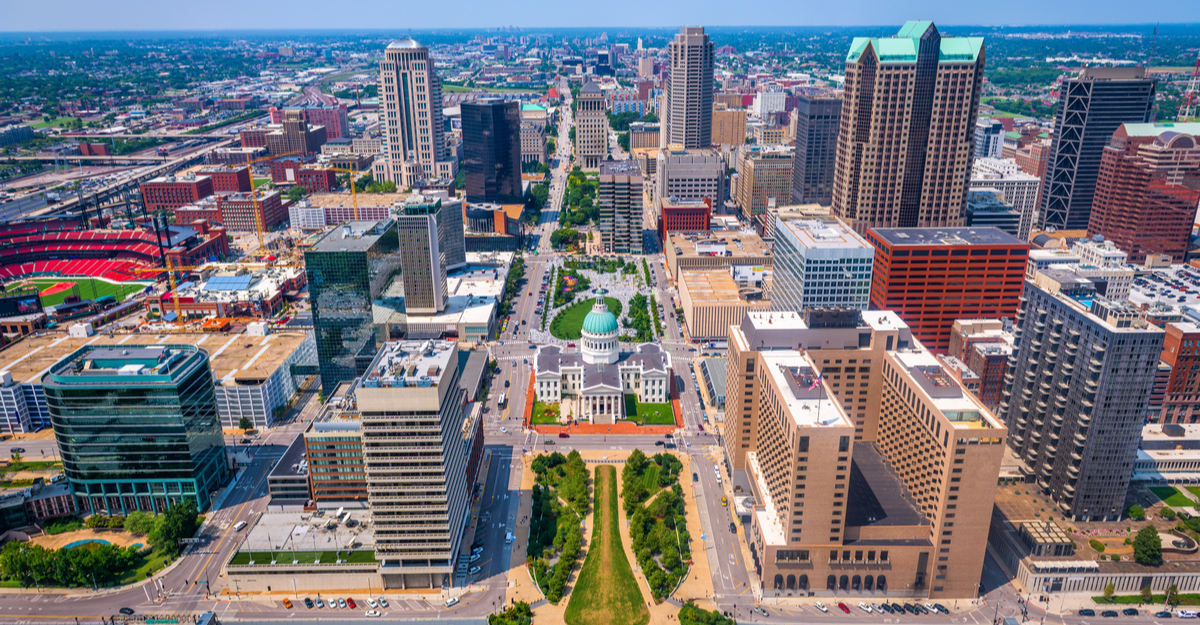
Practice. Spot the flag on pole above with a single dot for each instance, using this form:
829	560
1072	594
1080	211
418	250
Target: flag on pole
816	382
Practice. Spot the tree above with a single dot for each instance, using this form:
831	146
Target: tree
296	192
1108	591
245	423
139	523
517	614
1172	595
1147	547
1136	512
1147	594
180	521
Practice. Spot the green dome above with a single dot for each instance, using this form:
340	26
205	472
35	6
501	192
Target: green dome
600	320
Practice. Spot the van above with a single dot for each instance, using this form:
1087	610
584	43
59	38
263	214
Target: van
239	526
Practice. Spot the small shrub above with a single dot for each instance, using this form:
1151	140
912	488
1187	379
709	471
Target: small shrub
1097	545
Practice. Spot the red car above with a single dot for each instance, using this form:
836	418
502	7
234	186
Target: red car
845	608
350	602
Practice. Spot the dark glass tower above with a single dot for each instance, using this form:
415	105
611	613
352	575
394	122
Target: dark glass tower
818	122
137	427
492	150
351	272
1090	108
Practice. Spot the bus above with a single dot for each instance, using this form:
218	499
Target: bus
503	400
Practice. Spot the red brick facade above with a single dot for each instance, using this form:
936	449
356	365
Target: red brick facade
170	193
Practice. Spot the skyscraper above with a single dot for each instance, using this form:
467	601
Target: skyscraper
1090	107
764	174
818	119
491	130
430	232
1076	392
688	102
137	427
989	138
1148	189
410	100
591	126
619	198
908	128
350	273
418	440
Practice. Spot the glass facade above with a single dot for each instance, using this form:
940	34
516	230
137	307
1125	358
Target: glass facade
137	428
349	273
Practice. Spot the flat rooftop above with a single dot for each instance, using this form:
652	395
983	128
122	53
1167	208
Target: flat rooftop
352	236
806	396
410	363
308	531
876	495
735	243
945	393
714	286
1177	285
947	236
829	233
232	357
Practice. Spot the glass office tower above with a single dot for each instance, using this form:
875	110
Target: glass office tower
356	296
137	427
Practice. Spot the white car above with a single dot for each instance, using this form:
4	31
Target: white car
1186	614
371	602
383	602
451	602
821	607
864	607
371	613
504	430
475	557
929	606
473	570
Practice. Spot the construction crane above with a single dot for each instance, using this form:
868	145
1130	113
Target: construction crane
1191	98
353	191
258	224
170	281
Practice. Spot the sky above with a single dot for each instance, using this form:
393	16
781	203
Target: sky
87	15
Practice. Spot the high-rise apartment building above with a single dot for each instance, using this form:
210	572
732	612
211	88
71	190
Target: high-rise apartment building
729	126
1017	188
764	174
908	128
688	99
989	138
984	346
986	207
353	272
932	277
1148	189
645	67
591	126
420	445
410	100
818	122
619	198
872	469
491	130
1090	108
137	427
1076	392
820	263
689	175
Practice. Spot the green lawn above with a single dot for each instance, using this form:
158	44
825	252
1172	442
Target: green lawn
258	182
88	288
1172	496
57	121
539	416
606	592
648	414
567	324
362	556
155	562
1195	490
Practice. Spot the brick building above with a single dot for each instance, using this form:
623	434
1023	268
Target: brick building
1147	189
932	277
253	137
228	178
170	192
683	216
333	118
1181	350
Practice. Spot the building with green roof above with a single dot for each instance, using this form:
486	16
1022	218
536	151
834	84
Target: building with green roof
911	103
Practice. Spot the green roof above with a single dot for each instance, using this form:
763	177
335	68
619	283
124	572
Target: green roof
1154	129
1012	134
532	107
903	47
600	320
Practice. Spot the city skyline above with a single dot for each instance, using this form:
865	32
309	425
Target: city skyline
142	15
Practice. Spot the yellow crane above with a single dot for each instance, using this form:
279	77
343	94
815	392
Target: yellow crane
170	281
258	225
353	191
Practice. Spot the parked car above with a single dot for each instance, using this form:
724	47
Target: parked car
341	603
880	608
821	607
843	607
320	603
761	610
941	608
451	602
308	603
1130	612
897	608
864	607
473	570
1163	614
371	613
1109	614
1087	612
475	557
287	603
350	602
383	602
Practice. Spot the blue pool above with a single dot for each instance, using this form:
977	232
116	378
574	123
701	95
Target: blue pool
80	543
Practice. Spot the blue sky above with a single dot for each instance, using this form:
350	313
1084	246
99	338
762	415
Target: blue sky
26	15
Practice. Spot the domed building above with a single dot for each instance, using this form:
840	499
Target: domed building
599	375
